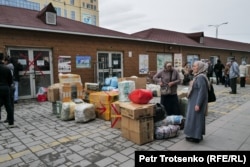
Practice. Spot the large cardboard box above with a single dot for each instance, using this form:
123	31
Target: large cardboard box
137	111
102	102
116	115
53	92
140	82
138	131
69	91
69	78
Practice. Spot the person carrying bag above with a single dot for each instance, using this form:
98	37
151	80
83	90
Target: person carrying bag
168	79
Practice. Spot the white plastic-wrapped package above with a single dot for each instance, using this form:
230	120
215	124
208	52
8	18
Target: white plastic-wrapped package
84	112
125	88
165	132
68	111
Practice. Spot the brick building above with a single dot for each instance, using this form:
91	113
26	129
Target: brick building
46	45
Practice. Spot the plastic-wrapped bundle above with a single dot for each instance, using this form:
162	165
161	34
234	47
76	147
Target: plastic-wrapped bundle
172	120
68	111
165	132
125	88
84	112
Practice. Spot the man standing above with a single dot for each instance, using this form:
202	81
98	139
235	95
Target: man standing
5	84
234	73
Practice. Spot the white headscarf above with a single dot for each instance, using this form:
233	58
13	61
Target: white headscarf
202	70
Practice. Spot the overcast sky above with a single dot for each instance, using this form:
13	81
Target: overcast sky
187	16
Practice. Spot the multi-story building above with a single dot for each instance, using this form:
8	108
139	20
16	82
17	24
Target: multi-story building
85	11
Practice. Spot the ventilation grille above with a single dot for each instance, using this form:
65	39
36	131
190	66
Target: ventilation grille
50	18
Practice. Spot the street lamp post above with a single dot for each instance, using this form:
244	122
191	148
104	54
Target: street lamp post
217	26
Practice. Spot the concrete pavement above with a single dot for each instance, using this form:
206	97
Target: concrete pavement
41	139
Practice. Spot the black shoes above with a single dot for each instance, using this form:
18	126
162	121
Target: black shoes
194	140
16	102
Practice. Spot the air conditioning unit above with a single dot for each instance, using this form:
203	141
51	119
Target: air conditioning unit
50	18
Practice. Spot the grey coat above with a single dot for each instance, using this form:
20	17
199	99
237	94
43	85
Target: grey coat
195	121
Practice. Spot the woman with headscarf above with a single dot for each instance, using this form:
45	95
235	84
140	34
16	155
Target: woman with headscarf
171	78
194	128
243	73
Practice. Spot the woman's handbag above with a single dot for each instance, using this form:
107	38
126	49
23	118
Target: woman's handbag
211	94
165	90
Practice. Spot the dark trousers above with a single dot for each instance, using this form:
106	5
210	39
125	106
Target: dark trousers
171	104
218	77
5	99
233	85
227	81
242	81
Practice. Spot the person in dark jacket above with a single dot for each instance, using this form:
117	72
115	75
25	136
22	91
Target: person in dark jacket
17	68
218	67
6	81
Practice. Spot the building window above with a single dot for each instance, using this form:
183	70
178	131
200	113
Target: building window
83	4
72	15
72	2
88	6
94	7
91	1
58	11
65	13
191	59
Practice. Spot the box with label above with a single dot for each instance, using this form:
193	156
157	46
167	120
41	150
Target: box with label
137	111
116	115
139	131
102	102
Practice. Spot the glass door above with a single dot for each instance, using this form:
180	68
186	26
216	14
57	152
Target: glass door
109	65
37	70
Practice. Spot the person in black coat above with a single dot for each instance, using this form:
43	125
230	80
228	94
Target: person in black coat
6	81
218	67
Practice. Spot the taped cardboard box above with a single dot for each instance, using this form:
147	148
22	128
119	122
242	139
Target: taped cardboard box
137	111
102	102
116	115
69	91
138	131
69	78
53	92
140	82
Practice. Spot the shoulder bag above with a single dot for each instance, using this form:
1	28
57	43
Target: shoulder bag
165	89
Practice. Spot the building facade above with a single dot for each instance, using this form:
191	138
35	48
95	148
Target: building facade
85	11
46	50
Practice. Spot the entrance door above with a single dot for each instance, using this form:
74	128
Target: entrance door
37	70
109	65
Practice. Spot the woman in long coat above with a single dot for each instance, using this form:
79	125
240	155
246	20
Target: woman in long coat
194	128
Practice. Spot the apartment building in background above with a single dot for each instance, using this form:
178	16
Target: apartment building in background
85	11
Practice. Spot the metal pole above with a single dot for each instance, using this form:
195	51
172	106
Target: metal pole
217	27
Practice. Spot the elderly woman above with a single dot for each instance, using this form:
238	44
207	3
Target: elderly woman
169	77
194	128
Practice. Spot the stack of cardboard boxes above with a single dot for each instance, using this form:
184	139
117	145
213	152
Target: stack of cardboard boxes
68	88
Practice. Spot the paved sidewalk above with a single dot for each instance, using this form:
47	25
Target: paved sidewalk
41	139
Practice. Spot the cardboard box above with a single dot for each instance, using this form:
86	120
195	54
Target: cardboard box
102	102
138	131
140	82
53	92
137	111
69	78
116	115
91	86
69	91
